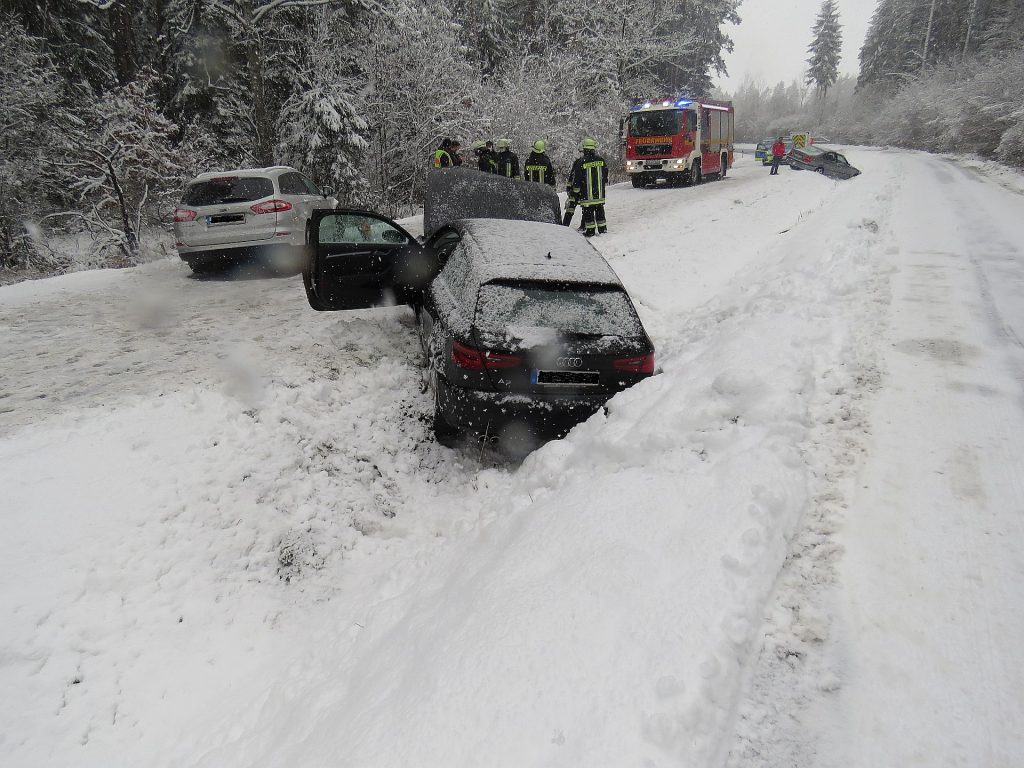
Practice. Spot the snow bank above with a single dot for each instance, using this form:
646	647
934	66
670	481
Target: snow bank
272	563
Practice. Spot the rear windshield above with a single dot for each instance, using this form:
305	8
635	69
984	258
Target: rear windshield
529	314
661	122
228	189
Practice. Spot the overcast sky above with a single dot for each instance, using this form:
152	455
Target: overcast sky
771	43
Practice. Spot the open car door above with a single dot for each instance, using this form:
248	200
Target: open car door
465	193
361	259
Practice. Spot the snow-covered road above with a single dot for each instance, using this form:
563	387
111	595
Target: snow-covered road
228	539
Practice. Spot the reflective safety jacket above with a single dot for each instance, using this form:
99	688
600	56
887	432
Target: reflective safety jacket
588	178
508	164
538	168
442	159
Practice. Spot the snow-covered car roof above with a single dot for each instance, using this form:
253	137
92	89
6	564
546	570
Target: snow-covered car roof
530	250
273	170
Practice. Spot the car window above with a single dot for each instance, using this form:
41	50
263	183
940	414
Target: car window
529	313
311	188
352	229
842	160
228	189
291	184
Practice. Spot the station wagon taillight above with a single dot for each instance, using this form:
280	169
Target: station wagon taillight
473	360
271	206
643	364
184	214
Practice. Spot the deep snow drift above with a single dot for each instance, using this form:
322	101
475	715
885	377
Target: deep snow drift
230	541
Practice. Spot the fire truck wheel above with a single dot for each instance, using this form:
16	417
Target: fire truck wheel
637	180
724	166
696	177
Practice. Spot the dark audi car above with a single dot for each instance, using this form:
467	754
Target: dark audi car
526	329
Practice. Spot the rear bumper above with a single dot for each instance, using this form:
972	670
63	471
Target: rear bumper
223	257
532	416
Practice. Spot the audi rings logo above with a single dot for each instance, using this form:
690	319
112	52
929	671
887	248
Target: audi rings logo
569	362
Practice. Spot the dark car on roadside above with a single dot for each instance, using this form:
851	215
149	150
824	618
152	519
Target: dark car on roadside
822	160
526	329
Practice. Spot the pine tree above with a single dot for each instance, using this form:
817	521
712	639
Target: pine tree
891	47
321	128
825	49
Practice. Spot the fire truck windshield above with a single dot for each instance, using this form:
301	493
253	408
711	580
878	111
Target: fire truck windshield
656	122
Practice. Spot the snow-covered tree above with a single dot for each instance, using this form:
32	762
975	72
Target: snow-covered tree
321	127
422	85
701	21
29	96
825	49
116	157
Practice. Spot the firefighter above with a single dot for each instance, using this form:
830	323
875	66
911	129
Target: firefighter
508	161
442	155
453	152
587	179
485	159
538	166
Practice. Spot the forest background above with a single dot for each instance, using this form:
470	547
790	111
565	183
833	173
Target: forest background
109	106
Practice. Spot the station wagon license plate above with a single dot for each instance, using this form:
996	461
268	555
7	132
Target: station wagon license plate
572	378
226	218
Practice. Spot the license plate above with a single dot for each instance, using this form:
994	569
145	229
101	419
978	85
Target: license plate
571	378
226	218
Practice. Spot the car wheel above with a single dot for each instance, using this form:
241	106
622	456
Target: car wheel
820	170
204	268
444	433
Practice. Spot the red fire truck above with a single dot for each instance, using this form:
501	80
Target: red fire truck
678	140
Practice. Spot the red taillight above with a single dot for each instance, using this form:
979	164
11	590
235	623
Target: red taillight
466	357
643	364
184	214
473	360
271	206
501	360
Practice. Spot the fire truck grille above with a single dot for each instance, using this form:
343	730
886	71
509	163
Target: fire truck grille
651	150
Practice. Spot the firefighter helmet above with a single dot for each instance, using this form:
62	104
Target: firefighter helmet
588	145
539	146
504	144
